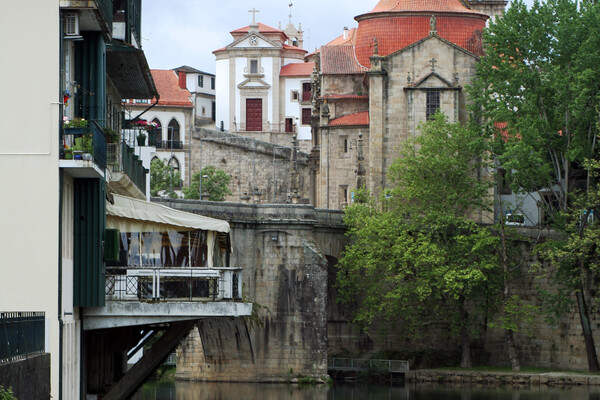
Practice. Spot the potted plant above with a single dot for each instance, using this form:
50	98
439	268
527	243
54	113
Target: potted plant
68	152
112	136
87	144
75	126
141	139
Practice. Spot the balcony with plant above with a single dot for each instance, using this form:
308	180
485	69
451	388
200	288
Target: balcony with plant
84	140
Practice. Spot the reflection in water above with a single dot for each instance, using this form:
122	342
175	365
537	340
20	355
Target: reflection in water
349	391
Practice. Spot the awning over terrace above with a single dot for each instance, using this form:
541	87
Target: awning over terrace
132	215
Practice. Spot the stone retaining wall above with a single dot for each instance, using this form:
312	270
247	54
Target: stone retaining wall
501	378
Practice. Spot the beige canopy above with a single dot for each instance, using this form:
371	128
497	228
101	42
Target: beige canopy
132	215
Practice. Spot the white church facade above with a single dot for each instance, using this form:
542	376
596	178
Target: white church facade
263	83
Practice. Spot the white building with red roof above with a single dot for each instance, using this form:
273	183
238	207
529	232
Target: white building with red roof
263	84
173	116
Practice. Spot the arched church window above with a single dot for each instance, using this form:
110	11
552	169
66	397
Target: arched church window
155	135
433	103
173	140
173	162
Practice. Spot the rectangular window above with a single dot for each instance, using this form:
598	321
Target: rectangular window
200	81
433	103
212	82
306	113
306	91
254	66
345	145
295	95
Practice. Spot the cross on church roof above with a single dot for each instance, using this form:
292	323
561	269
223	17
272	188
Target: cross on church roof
291	5
433	61
254	11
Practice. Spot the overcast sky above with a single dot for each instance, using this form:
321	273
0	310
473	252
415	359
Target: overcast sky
185	32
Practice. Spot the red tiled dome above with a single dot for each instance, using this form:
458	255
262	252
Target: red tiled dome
399	23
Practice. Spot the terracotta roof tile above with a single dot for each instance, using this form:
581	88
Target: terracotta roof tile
340	41
359	118
340	60
167	84
288	47
297	69
262	28
421	5
399	30
190	70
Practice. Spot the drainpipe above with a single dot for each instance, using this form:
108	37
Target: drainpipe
60	211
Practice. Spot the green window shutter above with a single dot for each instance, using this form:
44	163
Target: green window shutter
89	224
111	245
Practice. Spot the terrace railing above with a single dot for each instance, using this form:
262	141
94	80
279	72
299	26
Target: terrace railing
122	159
81	142
172	284
22	334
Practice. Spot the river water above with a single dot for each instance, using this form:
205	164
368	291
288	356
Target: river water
350	391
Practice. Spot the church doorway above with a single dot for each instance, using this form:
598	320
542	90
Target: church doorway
254	114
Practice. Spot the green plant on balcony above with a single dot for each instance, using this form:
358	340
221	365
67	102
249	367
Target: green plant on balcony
84	144
141	139
112	136
75	123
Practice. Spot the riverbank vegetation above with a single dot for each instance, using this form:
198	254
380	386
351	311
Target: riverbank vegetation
424	252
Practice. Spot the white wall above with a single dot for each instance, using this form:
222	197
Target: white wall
29	164
294	108
222	93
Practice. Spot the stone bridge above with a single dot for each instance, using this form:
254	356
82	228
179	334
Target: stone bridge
287	253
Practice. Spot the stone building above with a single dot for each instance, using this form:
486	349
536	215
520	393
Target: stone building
375	84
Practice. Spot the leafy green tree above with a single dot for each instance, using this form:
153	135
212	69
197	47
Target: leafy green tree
576	259
163	178
419	256
537	92
540	80
214	183
7	394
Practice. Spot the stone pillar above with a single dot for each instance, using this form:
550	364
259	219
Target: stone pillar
374	165
324	184
360	168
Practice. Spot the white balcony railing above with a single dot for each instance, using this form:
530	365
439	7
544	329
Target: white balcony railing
173	284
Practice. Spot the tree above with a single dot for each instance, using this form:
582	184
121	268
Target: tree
539	79
419	256
214	183
576	259
537	92
163	178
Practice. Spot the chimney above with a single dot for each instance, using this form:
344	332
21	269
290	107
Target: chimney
182	79
345	32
